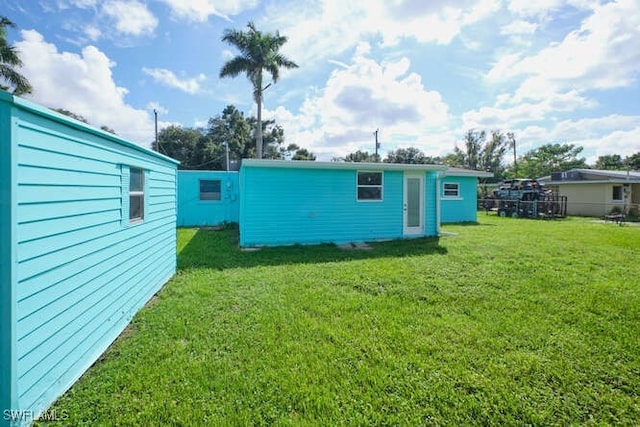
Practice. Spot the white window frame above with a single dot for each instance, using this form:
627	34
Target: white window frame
451	197
138	193
206	198
358	186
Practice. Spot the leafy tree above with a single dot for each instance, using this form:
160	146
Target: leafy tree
206	148
550	158
478	153
9	61
359	156
272	139
181	144
72	115
82	119
108	129
298	153
258	52
409	155
633	161
610	162
233	128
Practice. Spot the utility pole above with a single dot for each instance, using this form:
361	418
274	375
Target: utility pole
155	113
377	143
226	146
512	142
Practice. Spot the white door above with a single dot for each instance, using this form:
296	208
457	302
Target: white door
413	204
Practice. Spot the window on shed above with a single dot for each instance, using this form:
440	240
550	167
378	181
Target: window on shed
369	186
136	194
617	193
209	189
451	189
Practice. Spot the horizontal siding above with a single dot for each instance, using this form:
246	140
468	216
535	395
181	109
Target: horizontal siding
288	206
195	212
431	205
463	209
82	270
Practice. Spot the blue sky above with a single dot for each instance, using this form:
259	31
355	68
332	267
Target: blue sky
423	72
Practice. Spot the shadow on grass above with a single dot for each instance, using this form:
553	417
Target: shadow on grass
219	249
468	224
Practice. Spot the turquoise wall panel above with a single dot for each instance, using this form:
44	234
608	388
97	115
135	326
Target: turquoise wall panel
289	205
79	269
195	212
8	362
462	208
431	205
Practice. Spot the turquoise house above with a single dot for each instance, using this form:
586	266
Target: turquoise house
207	198
290	202
87	226
278	202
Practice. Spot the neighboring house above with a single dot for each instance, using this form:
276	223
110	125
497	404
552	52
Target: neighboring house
592	192
289	202
87	226
207	198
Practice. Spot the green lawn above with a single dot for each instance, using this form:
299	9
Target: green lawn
511	321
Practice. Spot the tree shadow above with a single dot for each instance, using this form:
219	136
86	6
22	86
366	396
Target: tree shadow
219	249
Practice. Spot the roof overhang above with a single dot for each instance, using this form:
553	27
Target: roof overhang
467	172
304	164
39	110
599	181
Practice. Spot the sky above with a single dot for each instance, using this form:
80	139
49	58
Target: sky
422	72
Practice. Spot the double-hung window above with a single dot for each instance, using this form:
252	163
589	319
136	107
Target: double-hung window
136	194
369	186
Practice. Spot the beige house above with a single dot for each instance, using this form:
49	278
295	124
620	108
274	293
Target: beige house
592	192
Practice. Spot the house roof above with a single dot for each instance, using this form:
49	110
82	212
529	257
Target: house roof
69	121
592	176
301	164
467	172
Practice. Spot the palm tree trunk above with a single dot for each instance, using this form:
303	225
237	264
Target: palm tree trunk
259	125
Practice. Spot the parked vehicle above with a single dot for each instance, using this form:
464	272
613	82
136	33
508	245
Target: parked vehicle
525	198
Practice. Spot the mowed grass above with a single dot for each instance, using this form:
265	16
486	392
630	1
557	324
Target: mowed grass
511	321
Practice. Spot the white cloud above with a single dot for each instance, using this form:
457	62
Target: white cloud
360	98
510	112
92	32
519	27
168	78
201	10
82	84
155	106
598	136
327	28
601	54
131	17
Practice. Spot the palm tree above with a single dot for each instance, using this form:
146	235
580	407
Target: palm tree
258	52
9	60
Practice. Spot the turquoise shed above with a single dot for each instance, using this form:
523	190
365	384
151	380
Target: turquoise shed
298	202
87	226
459	195
207	198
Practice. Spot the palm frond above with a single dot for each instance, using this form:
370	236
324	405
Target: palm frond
16	80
